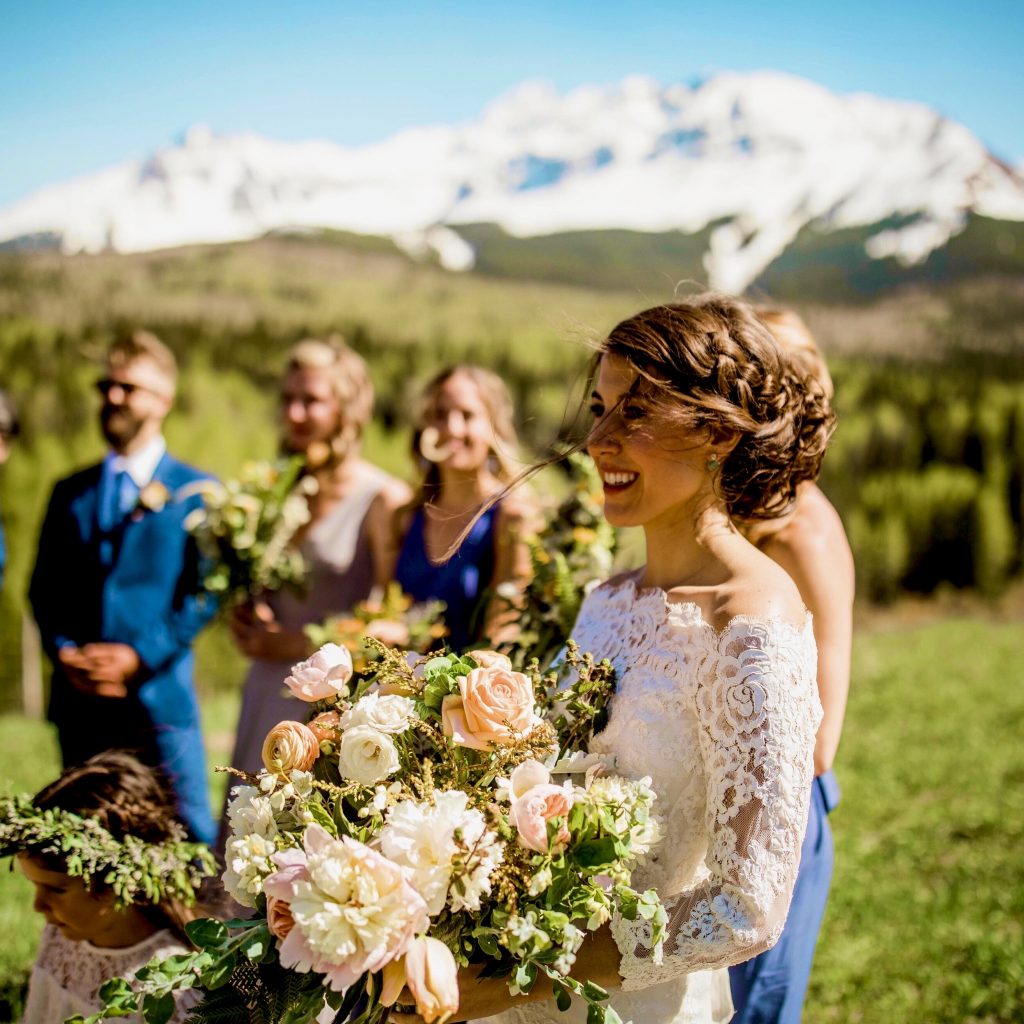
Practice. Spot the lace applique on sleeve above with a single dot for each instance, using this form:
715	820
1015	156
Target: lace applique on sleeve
757	708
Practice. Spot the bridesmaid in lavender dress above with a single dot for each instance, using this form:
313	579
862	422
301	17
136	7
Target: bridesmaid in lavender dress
326	401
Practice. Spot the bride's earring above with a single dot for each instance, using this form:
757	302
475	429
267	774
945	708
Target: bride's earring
713	464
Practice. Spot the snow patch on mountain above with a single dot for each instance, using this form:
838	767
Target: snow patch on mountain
755	157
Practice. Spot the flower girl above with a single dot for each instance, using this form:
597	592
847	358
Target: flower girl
113	876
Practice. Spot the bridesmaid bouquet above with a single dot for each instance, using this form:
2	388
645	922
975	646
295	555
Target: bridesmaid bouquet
245	528
427	818
395	619
572	551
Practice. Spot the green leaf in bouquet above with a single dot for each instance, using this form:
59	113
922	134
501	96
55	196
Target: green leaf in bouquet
207	933
436	668
596	853
322	816
219	972
563	997
488	943
602	1015
629	902
591	990
577	816
255	945
435	691
524	976
118	997
157	1008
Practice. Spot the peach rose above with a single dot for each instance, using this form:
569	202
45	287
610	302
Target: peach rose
279	917
534	809
290	746
492	706
326	727
325	674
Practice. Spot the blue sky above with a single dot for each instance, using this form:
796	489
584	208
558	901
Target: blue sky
87	84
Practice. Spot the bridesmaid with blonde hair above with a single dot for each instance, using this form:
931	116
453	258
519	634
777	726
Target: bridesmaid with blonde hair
326	403
465	444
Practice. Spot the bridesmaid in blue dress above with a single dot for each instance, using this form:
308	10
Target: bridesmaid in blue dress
464	441
811	545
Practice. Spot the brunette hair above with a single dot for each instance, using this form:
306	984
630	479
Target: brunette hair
498	403
350	382
714	366
145	345
797	343
125	797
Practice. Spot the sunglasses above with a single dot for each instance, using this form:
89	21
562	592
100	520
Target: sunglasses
106	385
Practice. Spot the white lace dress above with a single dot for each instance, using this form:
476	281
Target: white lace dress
67	975
724	724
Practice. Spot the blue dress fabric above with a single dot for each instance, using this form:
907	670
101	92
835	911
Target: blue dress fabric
770	989
462	582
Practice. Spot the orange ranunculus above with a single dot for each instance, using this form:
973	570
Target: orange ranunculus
290	746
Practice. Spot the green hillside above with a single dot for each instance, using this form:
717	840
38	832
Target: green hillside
927	466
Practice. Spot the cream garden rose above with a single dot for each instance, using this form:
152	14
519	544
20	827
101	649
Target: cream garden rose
366	755
493	706
389	713
325	674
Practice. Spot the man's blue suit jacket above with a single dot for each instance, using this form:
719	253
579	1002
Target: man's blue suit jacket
137	584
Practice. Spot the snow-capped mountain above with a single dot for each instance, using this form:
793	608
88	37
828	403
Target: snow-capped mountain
755	157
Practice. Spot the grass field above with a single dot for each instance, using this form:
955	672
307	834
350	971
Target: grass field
926	919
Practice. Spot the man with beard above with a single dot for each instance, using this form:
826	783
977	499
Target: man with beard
116	587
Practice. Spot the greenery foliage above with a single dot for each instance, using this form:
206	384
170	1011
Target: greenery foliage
926	467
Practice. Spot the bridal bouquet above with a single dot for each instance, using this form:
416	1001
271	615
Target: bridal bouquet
572	551
245	528
395	619
424	819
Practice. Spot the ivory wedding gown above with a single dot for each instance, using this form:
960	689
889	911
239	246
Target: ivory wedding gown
724	724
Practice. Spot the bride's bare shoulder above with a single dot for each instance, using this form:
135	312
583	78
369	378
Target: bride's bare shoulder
759	590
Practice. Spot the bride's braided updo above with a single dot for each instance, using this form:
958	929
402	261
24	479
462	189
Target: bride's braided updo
712	365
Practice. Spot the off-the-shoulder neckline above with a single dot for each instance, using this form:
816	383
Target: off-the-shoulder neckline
678	608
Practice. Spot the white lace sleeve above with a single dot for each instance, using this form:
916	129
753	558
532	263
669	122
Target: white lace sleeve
757	712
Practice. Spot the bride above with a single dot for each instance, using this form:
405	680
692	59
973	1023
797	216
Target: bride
697	423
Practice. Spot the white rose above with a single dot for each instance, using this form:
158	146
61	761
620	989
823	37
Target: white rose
366	755
390	714
325	674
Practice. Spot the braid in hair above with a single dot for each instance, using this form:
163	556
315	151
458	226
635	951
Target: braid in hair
716	367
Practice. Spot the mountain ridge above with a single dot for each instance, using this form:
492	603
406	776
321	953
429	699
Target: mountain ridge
742	165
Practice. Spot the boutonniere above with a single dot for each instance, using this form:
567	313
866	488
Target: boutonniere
152	498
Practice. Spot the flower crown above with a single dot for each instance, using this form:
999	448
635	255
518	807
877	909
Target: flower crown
137	871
